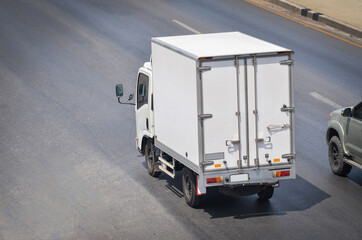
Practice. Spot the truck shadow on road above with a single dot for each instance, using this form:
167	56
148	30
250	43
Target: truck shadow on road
355	176
292	195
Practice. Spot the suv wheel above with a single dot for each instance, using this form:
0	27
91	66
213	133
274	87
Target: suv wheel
336	155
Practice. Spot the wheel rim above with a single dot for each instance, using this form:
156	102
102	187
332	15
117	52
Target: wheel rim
335	154
188	187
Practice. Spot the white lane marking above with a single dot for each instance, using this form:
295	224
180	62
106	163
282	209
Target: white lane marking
187	27
325	100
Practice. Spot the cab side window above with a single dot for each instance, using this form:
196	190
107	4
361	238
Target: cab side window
142	90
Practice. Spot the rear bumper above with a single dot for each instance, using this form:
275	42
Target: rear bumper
267	175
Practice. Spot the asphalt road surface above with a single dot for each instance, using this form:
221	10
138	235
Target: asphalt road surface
69	168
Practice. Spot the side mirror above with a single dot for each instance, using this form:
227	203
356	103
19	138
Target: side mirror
346	112
119	90
119	94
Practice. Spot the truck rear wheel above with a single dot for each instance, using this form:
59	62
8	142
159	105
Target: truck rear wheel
189	188
266	193
336	155
151	160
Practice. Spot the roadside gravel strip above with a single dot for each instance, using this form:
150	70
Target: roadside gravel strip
317	16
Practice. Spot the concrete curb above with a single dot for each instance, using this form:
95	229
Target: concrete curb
316	16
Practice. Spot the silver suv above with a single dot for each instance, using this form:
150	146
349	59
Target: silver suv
344	139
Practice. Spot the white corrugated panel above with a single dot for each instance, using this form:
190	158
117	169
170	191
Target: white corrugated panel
175	102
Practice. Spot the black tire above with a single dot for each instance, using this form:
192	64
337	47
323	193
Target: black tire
266	193
336	155
189	188
151	160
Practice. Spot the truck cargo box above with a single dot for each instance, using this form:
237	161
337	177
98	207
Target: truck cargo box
223	102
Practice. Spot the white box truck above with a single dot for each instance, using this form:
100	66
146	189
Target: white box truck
219	107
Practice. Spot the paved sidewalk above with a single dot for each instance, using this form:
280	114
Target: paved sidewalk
348	11
344	15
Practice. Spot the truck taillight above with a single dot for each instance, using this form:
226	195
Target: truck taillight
281	173
211	180
214	180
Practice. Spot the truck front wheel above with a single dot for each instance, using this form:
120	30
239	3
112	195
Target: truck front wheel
336	155
151	159
189	188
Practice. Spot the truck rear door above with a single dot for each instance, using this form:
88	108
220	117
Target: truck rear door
270	109
220	123
247	106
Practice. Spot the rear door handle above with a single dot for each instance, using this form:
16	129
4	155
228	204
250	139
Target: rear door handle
230	143
265	140
272	127
287	109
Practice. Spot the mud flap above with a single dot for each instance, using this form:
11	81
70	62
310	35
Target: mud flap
200	190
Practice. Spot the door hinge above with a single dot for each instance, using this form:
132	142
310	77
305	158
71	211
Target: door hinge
257	140
239	163
236	63
203	68
256	162
287	62
204	116
287	109
254	61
